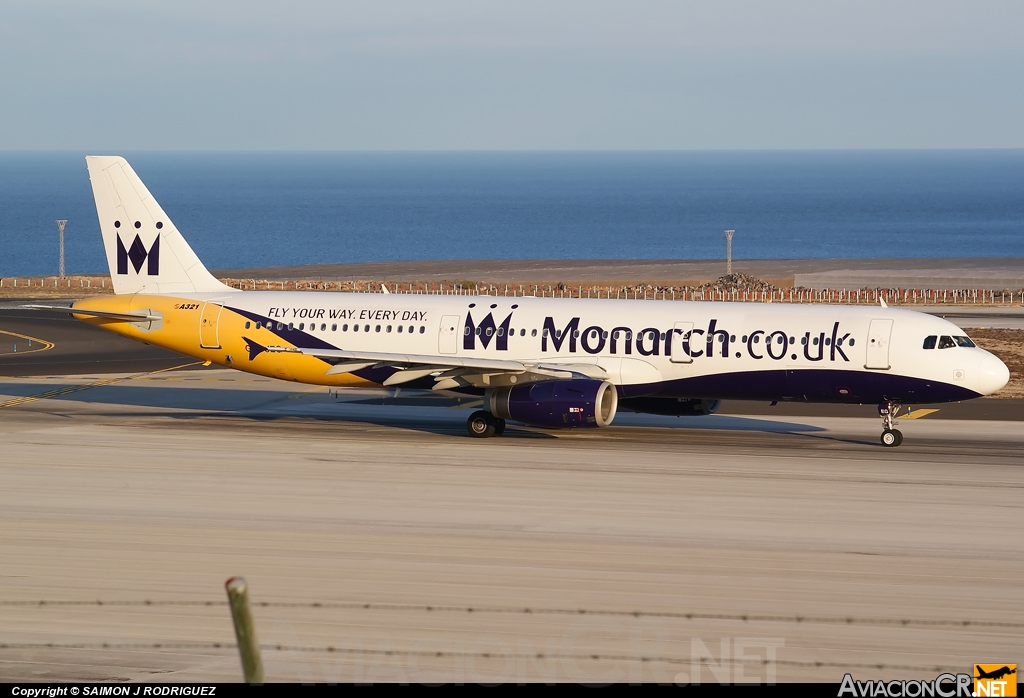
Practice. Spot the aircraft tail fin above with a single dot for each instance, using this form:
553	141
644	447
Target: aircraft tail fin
145	252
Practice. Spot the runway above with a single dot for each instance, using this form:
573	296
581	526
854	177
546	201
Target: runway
388	546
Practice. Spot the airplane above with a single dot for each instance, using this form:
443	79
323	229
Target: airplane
996	674
543	362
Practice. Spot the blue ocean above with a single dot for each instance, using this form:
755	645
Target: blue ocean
263	209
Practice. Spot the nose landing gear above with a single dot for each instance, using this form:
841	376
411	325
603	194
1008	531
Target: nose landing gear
891	437
484	424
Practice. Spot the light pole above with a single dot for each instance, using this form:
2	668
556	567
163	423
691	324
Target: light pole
728	251
61	224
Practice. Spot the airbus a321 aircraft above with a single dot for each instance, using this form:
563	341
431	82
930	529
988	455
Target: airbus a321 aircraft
543	362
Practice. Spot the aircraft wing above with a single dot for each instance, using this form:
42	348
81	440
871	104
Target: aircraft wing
448	371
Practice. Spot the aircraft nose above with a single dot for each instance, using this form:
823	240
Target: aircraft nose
992	375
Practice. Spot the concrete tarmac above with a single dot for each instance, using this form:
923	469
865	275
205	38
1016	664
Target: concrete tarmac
389	546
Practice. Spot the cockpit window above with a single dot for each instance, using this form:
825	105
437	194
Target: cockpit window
929	342
963	341
946	342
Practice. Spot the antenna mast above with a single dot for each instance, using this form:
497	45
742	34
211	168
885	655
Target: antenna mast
61	224
728	251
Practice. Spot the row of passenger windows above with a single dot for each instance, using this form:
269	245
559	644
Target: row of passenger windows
334	327
501	332
629	336
946	342
961	341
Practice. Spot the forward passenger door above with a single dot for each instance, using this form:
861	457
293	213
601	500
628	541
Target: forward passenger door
879	332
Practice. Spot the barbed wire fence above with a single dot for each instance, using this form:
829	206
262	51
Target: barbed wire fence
255	648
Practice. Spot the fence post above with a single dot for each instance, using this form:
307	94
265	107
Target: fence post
245	630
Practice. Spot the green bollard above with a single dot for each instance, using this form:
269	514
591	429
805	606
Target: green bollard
245	630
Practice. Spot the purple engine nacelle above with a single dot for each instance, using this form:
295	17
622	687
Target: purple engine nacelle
557	403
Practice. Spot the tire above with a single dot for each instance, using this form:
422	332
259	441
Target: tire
480	425
499	426
899	436
891	438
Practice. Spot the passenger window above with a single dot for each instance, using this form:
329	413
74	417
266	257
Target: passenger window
533	333
334	327
247	324
964	342
422	329
389	328
366	328
399	328
378	328
258	324
302	325
291	325
323	326
411	328
355	328
929	341
946	342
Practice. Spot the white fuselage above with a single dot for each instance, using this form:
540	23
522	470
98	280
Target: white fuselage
671	348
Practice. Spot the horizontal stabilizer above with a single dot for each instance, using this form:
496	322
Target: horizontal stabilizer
127	316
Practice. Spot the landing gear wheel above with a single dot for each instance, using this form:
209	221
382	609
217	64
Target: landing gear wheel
480	425
499	426
892	438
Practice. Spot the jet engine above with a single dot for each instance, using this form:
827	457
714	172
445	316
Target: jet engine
556	403
671	406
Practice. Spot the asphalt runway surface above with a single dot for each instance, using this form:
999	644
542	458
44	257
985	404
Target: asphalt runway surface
387	545
77	347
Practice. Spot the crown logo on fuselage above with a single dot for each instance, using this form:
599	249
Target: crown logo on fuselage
486	331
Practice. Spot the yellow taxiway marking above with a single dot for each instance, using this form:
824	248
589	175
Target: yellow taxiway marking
46	345
299	396
917	414
57	392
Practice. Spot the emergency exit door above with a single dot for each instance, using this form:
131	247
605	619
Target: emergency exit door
448	335
680	344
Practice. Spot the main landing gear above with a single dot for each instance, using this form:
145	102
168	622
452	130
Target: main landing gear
484	424
891	437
